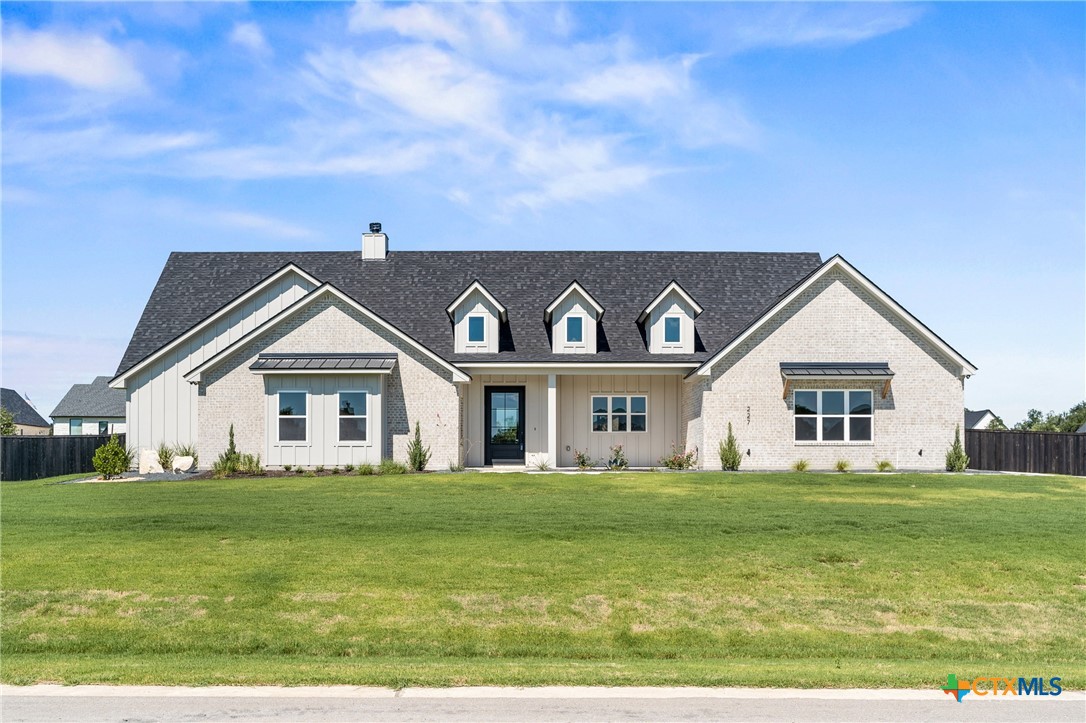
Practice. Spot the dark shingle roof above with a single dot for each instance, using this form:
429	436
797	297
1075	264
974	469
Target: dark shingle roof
972	418
411	289
20	409
91	400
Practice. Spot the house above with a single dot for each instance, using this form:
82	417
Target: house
27	419
94	408
521	357
979	419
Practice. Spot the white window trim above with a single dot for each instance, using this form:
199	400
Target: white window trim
467	329
663	329
583	343
629	403
278	416
846	416
368	441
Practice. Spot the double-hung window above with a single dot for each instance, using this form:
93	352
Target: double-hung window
574	329
476	329
620	414
292	417
352	416
833	415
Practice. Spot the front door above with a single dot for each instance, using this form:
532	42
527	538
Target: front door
505	424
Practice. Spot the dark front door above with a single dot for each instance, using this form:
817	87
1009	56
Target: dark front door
504	424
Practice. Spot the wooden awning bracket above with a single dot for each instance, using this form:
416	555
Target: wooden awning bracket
886	387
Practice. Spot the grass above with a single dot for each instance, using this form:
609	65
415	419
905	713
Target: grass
616	579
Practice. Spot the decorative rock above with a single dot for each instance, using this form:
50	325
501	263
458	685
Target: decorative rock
149	462
183	464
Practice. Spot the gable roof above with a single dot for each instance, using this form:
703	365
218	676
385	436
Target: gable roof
96	399
837	262
411	289
20	409
573	288
675	286
973	418
194	375
476	286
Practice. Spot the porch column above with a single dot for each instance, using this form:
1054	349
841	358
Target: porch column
552	419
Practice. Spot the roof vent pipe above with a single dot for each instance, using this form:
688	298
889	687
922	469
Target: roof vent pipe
374	243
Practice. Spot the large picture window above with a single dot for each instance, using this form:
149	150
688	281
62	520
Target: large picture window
352	416
620	414
292	417
833	415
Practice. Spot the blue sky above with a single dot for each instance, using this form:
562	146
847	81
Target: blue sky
940	148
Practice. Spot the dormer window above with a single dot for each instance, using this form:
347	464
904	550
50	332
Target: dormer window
476	317
673	329
573	317
669	321
575	329
476	329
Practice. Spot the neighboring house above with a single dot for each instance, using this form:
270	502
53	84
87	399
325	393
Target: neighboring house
94	408
979	419
27	419
521	357
1082	429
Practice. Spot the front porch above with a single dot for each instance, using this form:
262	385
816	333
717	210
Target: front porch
516	421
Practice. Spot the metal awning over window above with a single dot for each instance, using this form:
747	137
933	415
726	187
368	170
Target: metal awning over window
324	364
841	371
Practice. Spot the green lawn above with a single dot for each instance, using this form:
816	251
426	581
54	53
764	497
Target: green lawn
615	579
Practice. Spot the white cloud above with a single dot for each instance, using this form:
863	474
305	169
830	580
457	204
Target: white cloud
637	82
462	26
258	162
83	61
815	25
25	146
250	37
265	225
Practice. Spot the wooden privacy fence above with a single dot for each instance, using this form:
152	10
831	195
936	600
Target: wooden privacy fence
1051	452
23	458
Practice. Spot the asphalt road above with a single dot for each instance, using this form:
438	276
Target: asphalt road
319	705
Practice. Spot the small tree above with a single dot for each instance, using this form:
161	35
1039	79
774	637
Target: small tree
231	450
956	459
7	422
417	455
730	456
111	459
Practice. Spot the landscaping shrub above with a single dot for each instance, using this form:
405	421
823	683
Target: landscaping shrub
287	467
583	460
7	422
956	459
319	468
455	466
391	466
187	450
679	460
365	468
348	468
229	461
843	465
417	455
730	456
801	465
884	465
111	459
165	457
543	465
617	461
250	464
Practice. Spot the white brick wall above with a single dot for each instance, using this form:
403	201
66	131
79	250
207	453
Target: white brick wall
833	321
418	389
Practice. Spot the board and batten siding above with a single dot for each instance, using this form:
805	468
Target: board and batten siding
643	449
322	445
476	304
161	406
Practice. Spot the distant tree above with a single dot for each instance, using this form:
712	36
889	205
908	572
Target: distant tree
997	425
1068	421
7	422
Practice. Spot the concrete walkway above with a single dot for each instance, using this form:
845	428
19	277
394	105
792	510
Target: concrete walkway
345	703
